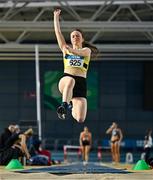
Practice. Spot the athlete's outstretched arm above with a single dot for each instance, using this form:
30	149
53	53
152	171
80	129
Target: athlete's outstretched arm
58	33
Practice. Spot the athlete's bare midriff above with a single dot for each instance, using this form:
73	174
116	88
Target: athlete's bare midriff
75	71
114	138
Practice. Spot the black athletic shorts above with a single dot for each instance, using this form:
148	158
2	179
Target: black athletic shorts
80	88
85	143
9	154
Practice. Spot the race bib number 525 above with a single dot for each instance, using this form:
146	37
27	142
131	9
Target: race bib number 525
74	61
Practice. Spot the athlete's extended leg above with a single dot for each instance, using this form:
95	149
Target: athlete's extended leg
117	152
113	152
66	86
79	109
87	149
83	152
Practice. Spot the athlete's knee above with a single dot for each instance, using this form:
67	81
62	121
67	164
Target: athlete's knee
80	119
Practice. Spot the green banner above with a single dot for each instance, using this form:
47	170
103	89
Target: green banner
52	96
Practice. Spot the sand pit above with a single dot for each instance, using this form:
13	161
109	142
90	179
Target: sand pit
134	175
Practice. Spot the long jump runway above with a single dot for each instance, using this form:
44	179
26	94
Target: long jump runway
75	168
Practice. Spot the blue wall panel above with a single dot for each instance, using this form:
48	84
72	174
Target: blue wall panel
121	93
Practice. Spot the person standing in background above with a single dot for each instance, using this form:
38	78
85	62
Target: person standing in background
85	143
148	145
116	138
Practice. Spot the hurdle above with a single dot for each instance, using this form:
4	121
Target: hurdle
99	153
71	150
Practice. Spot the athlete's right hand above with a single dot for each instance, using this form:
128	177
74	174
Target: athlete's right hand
57	12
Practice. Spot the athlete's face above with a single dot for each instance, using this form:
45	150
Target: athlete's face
76	38
114	125
12	128
85	129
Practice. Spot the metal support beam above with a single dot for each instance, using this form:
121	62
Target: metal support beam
103	10
67	8
134	14
12	47
95	37
115	13
17	10
78	17
54	3
3	38
9	11
90	26
21	36
95	15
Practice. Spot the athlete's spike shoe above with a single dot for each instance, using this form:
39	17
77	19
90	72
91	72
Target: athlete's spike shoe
62	111
70	106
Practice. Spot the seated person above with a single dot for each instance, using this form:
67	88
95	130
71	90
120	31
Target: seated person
15	147
39	156
6	134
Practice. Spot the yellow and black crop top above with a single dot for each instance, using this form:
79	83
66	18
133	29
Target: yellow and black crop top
72	60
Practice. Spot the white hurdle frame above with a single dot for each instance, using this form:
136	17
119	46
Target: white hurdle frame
65	147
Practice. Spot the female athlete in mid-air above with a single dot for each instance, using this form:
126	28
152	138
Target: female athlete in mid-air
72	85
